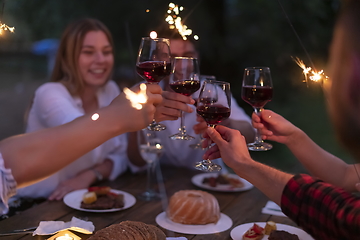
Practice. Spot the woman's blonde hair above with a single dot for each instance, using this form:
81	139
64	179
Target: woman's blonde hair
66	68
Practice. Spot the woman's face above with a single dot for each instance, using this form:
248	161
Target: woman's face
96	59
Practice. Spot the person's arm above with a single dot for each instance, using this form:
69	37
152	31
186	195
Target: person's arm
316	160
321	209
36	155
83	179
231	147
133	152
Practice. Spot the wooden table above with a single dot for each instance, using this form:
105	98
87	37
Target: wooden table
241	207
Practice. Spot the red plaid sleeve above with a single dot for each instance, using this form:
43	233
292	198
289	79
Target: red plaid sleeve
321	209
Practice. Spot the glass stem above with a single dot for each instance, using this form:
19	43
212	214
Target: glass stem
258	138
182	120
149	177
209	140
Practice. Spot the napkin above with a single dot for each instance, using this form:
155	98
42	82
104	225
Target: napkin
273	209
52	227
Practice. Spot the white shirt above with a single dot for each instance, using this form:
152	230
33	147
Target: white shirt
53	105
177	152
7	186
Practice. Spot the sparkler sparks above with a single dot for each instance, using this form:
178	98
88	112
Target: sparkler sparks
313	75
175	21
4	27
137	99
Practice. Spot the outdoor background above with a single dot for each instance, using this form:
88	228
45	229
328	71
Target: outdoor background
234	34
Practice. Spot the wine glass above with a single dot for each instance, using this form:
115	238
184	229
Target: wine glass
184	79
257	90
213	105
150	149
153	64
198	145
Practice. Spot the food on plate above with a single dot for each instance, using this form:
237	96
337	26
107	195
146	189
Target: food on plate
103	190
223	179
101	198
269	227
254	233
129	230
193	207
89	197
282	235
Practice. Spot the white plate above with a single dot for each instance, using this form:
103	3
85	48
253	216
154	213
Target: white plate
239	231
223	224
73	200
198	181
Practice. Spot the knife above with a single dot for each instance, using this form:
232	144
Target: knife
19	231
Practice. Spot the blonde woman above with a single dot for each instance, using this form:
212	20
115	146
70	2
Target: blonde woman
80	84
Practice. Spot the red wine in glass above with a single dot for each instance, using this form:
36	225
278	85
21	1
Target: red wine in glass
213	105
257	96
153	71
213	114
186	87
184	79
205	101
257	90
153	64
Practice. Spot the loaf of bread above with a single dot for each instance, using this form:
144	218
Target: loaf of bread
193	207
129	230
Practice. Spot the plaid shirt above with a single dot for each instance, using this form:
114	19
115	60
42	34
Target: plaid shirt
321	209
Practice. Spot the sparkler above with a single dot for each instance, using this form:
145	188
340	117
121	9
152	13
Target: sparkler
313	75
137	99
4	27
175	21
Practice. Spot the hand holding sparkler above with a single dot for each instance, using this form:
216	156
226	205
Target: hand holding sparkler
137	104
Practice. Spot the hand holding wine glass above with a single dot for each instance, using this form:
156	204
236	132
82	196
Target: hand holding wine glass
150	149
153	64
213	106
184	79
198	145
257	90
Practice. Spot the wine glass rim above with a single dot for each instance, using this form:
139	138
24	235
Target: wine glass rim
155	39
265	68
216	81
184	58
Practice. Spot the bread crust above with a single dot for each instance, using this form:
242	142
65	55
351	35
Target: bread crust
193	207
129	230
